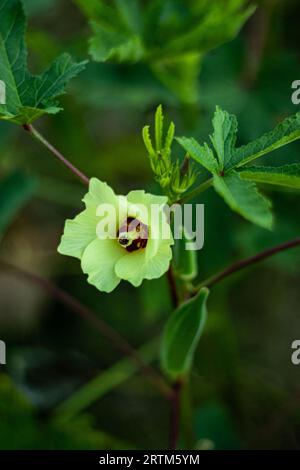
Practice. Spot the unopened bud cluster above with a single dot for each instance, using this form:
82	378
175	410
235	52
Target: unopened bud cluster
174	178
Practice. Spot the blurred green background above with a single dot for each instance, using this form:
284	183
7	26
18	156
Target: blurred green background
245	390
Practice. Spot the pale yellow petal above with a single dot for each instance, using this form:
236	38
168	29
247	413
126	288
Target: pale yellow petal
98	261
78	233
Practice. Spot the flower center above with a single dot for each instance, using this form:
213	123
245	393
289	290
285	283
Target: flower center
133	235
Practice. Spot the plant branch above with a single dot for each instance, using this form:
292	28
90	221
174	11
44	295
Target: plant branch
239	265
195	192
29	128
88	315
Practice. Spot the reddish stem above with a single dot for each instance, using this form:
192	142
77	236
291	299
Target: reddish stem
101	326
29	128
245	263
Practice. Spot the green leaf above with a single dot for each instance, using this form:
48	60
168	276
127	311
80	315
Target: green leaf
159	126
182	334
169	138
201	25
115	30
224	136
171	28
170	37
162	146
28	96
180	75
185	261
201	153
15	191
147	140
110	45
286	175
243	197
284	133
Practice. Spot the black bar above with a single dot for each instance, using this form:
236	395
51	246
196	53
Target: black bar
137	459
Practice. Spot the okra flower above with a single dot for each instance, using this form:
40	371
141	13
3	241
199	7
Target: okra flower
119	237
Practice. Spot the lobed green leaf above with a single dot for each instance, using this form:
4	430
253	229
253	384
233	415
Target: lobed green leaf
201	153
243	197
170	37
286	175
28	96
224	137
284	133
159	126
109	45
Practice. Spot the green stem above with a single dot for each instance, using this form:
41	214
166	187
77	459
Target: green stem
29	128
187	416
195	192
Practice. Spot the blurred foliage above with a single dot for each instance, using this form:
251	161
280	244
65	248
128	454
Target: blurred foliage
244	388
15	190
215	428
21	428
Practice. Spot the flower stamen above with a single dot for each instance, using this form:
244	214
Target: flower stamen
133	235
